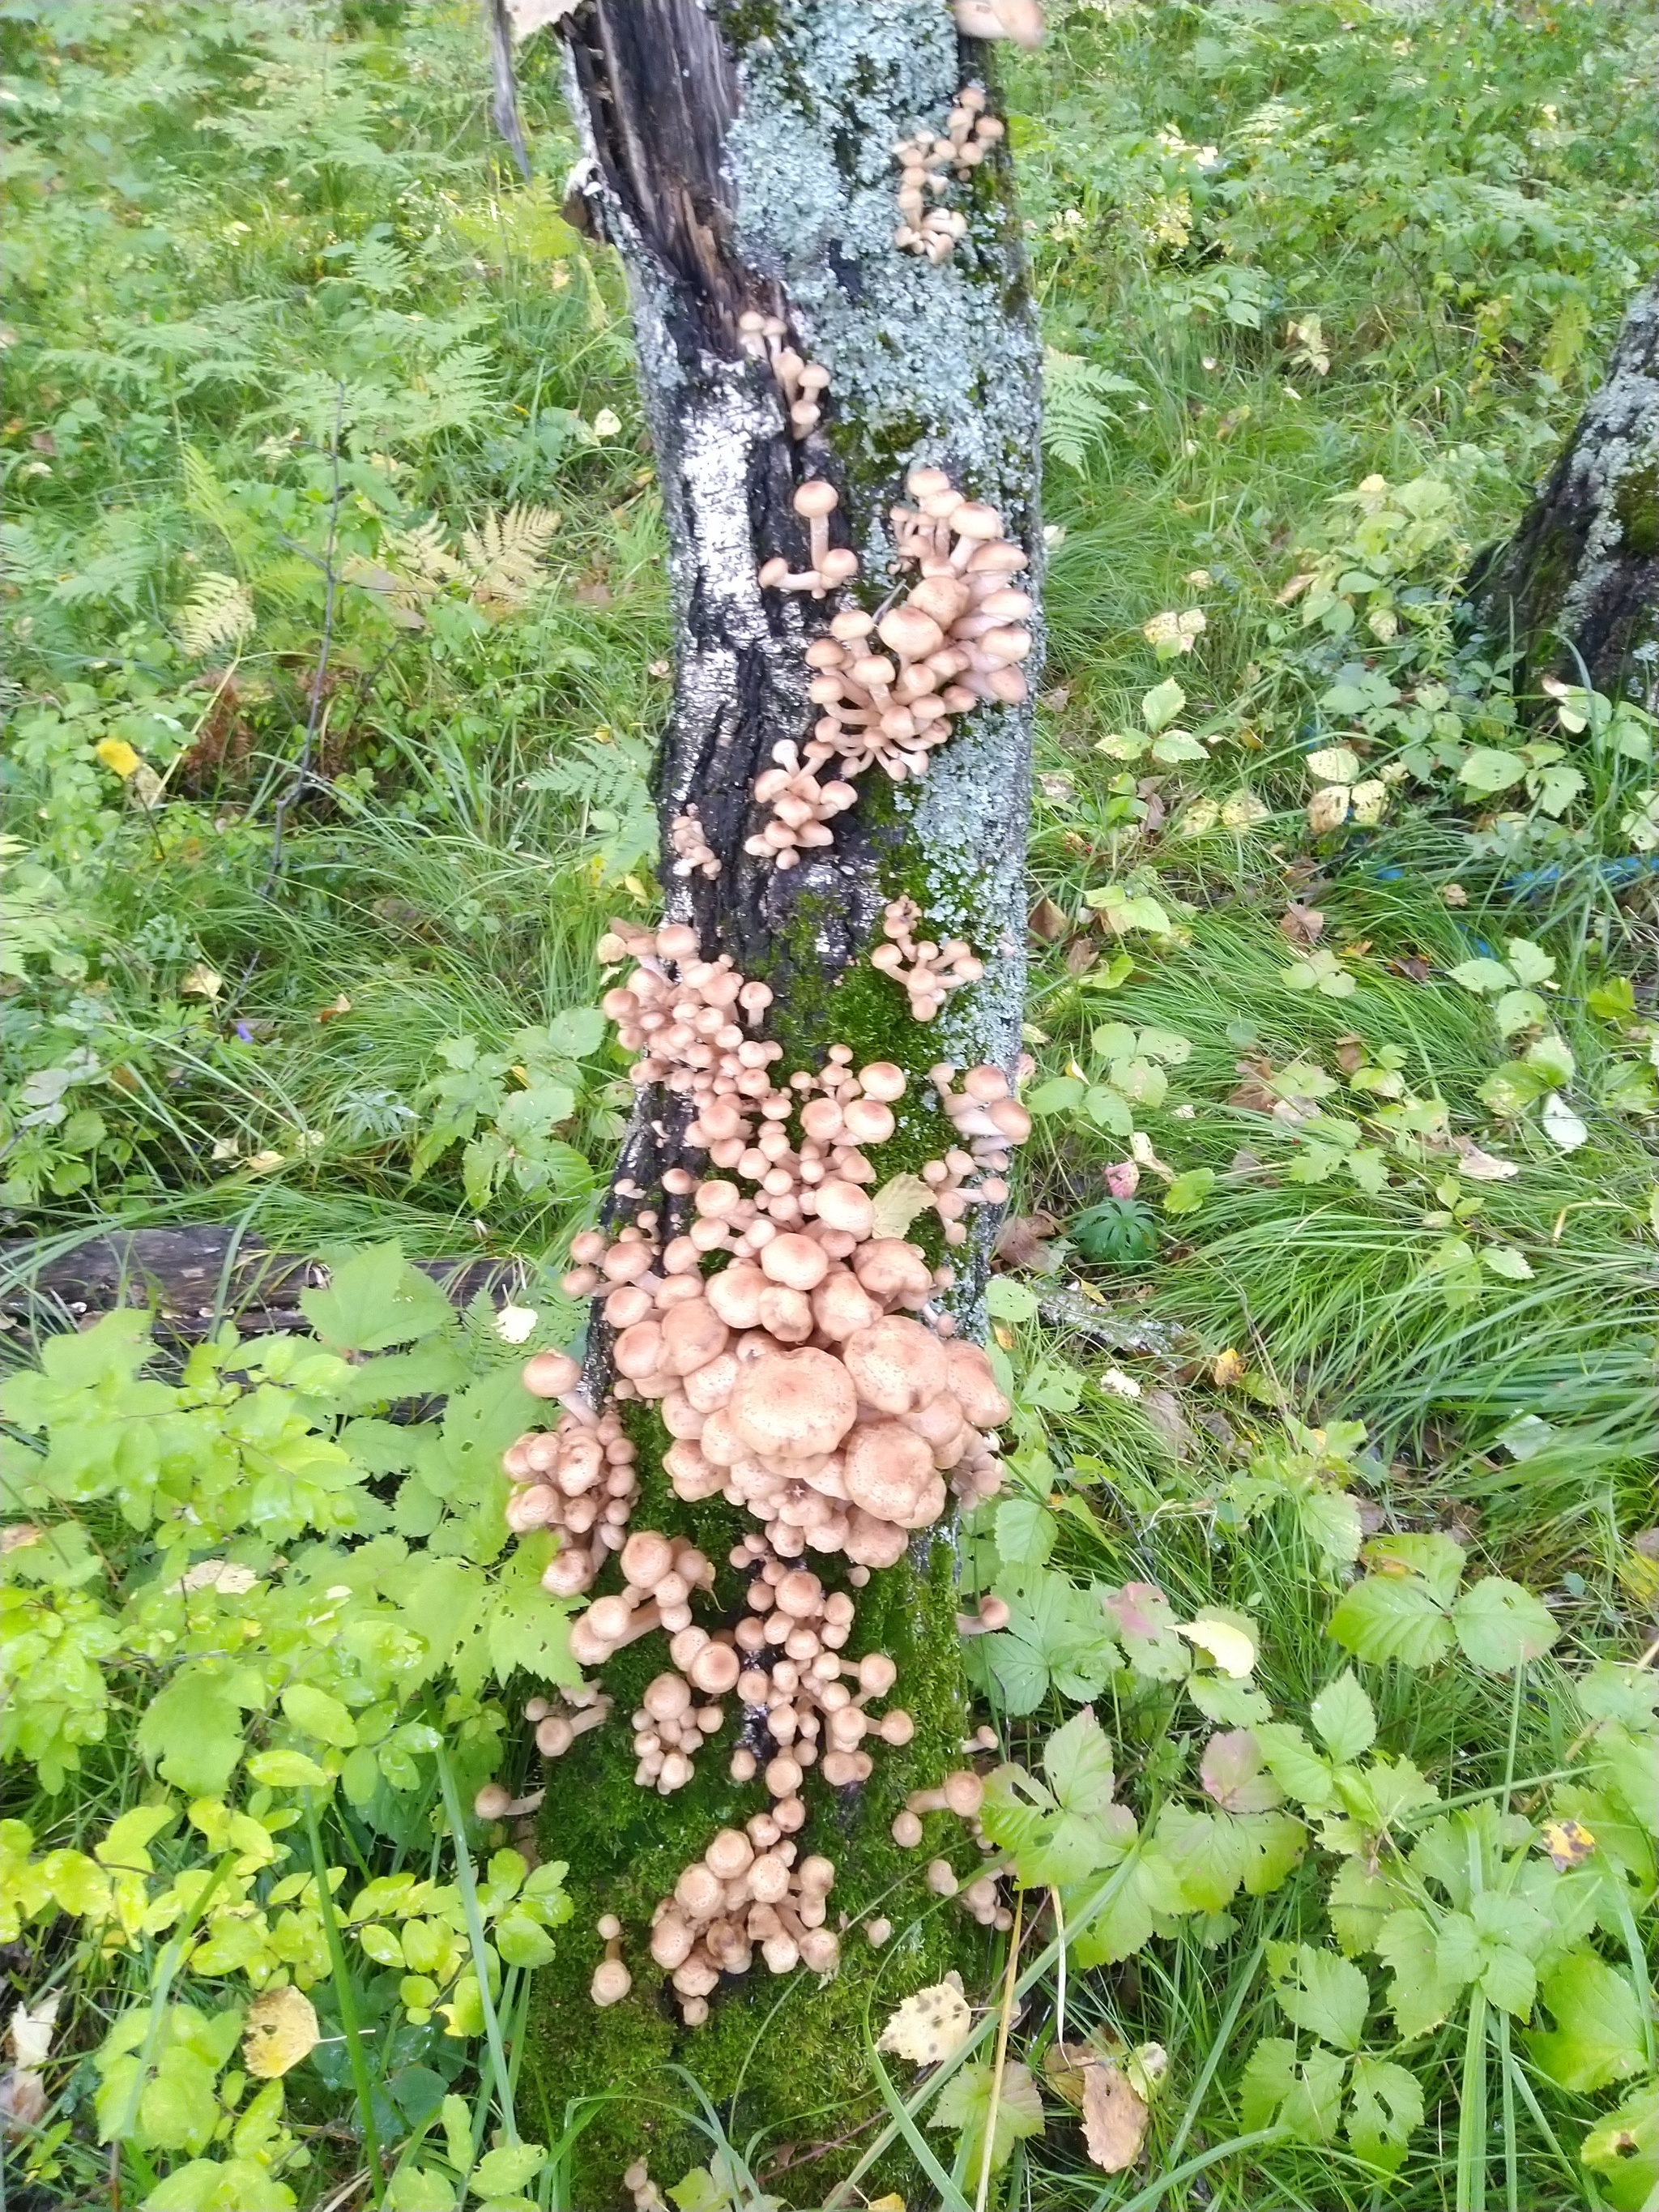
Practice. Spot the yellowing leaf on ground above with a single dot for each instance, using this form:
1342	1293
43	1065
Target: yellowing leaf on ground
1232	1647
898	1202
201	981
281	2030
1228	1369
118	755
1114	2119
1569	1843
930	2025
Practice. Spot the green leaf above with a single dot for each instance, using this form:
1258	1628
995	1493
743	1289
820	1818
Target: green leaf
1296	1765
1597	2038
191	1732
507	2169
1612	1002
287	1769
1162	703
374	1299
1622	2151
1189	1191
314	1712
1487	770
1505	1262
1327	1995
1482	975
521	1941
1386	2104
418	2188
524	1627
209	2185
1304	2098
1392	1617
1419	1994
1531	963
1061	1094
1500	1625
965	2104
1025	1532
1343	1717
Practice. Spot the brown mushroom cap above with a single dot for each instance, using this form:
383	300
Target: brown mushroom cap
897	1365
793	1405
844	1206
795	1261
646	1557
842	1306
638	1351
730	1854
612	1982
670	1942
974	1386
550	1374
887	1470
693	1333
871	1542
715	1669
735	1294
893	1271
816	497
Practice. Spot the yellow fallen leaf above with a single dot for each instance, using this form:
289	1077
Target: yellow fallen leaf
898	1202
201	981
930	2026
887	2204
266	1162
1233	1648
1114	2119
281	2030
1569	1843
117	754
1227	1369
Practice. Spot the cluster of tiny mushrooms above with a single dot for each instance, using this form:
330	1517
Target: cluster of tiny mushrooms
814	1381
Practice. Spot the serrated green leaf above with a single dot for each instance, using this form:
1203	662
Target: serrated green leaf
1188	1191
316	1713
1343	1717
1500	1625
1392	1617
1326	1995
1597	2038
508	2168
965	2104
1487	770
375	1299
1160	706
1386	2105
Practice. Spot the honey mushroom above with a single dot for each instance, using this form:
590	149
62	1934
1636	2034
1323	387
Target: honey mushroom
749	1892
927	973
693	854
802	383
967	136
669	1728
611	1979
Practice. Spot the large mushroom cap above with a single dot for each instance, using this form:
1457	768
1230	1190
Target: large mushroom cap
794	1261
793	1405
974	1387
894	1271
693	1333
888	1470
897	1366
735	1293
550	1374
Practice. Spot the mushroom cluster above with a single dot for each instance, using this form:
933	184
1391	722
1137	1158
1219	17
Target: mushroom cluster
827	566
669	1729
799	1710
927	973
579	1478
962	1792
687	1033
802	807
693	854
802	383
924	162
748	1892
557	1726
658	1576
955	638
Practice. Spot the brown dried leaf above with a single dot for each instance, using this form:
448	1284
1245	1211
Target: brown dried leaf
1020	1242
1080	956
1114	2119
1048	921
1301	925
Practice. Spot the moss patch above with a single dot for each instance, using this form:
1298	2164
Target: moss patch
783	2057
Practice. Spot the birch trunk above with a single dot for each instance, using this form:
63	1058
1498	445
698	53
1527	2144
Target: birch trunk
741	159
1577	588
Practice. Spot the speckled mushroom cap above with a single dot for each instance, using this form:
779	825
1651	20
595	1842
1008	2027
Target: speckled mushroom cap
793	1405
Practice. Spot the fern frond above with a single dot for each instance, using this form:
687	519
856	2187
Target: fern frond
379	266
453	394
1075	415
219	613
504	554
208	501
23	559
424	555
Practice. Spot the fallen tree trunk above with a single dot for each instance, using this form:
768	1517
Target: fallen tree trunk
814	327
1576	591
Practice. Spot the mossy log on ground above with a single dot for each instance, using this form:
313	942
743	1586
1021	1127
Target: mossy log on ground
740	157
1576	591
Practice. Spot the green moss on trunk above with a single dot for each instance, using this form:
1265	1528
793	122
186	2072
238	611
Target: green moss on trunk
782	2055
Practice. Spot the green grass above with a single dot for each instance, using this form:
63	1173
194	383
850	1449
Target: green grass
277	301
